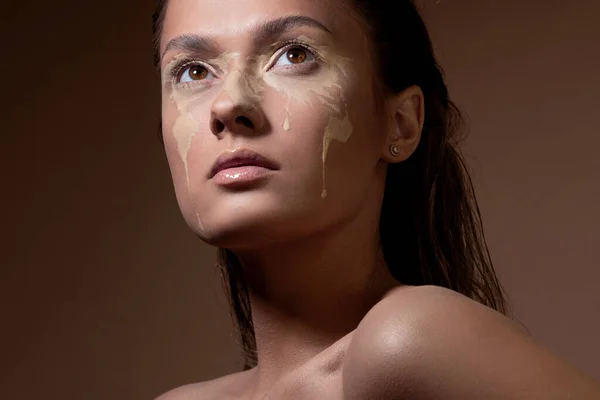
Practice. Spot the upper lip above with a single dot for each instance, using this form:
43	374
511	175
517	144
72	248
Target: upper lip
239	158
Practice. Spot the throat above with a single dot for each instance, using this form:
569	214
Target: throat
318	377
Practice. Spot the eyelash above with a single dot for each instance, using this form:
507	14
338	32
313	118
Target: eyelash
181	66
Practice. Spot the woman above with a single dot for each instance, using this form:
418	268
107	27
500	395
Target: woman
314	143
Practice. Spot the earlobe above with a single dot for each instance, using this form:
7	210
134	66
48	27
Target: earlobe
407	119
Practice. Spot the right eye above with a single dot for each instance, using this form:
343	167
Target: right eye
193	73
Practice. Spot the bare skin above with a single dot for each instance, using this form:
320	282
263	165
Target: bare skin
410	346
330	321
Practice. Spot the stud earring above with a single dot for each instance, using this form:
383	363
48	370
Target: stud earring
394	150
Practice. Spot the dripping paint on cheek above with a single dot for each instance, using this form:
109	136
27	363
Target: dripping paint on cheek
328	85
186	125
286	122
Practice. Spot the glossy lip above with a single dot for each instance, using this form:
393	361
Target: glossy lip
241	158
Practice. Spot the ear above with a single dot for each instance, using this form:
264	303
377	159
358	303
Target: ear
406	113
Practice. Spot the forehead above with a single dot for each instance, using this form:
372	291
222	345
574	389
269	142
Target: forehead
231	18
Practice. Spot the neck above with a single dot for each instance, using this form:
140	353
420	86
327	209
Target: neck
308	294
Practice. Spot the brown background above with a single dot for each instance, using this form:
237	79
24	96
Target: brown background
104	292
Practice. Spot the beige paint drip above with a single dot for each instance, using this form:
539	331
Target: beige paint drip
184	129
327	80
186	126
286	121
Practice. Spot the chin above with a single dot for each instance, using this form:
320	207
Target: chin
251	218
254	226
241	235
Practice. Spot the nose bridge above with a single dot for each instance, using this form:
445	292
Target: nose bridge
241	90
238	103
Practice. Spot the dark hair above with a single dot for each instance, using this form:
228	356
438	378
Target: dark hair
430	228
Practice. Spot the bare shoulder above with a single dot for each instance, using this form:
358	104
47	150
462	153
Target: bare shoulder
430	342
432	305
407	312
227	386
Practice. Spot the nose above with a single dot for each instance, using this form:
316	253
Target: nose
236	115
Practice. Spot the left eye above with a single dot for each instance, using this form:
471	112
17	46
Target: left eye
294	55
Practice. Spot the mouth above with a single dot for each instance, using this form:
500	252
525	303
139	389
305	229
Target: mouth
241	166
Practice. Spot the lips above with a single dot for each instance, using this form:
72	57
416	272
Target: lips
241	158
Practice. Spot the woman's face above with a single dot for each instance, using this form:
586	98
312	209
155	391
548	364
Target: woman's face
290	80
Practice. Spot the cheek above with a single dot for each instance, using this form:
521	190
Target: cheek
326	134
352	165
176	165
302	142
185	132
169	116
367	121
182	120
309	146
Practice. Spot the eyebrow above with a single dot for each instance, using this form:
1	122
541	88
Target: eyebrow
261	32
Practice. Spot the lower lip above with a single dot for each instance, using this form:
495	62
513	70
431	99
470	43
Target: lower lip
241	175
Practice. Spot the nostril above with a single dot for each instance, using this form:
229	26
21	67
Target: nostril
218	126
244	121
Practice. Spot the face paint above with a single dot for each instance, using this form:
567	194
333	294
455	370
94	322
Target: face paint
286	122
339	130
245	84
186	126
331	77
